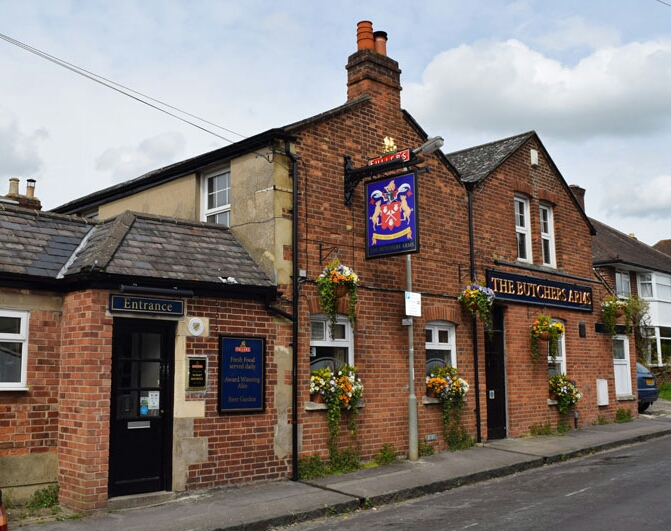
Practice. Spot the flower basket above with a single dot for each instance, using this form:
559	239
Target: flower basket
341	391
451	390
612	309
478	300
565	392
544	329
334	283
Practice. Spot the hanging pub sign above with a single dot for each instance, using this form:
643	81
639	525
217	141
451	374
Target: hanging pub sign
534	290
391	209
241	363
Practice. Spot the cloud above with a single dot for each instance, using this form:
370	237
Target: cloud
651	199
575	32
125	162
19	152
507	86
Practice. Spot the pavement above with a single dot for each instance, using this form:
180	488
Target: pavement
264	506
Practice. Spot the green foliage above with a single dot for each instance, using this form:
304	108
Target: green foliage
425	448
563	426
623	415
455	435
312	467
610	307
600	421
345	461
45	498
665	391
334	277
541	327
479	300
565	392
540	429
386	456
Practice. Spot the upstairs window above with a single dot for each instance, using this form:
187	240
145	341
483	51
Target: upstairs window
13	349
522	229
622	284
663	286
645	285
547	235
216	188
439	345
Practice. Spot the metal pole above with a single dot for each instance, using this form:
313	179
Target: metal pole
413	444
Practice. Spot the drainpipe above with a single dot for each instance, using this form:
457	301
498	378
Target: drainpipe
294	300
474	326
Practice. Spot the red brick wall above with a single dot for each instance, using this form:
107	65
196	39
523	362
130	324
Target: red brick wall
241	446
29	419
84	400
439	269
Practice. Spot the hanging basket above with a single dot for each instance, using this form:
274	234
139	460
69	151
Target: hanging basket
340	291
619	313
545	335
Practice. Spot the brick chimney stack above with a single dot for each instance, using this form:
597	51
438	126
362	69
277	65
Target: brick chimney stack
370	71
579	194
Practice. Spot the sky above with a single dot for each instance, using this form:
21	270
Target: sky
592	78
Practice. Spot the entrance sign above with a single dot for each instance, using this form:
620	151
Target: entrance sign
241	384
146	305
535	290
391	227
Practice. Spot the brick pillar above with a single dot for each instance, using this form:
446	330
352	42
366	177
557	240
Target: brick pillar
84	409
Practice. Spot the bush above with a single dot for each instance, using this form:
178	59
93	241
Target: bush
623	415
386	456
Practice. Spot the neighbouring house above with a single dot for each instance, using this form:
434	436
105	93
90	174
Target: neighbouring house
630	268
362	184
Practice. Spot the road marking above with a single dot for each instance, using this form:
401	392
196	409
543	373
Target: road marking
576	492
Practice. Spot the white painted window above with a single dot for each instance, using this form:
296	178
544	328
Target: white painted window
522	228
13	349
645	285
622	284
330	350
216	195
547	235
621	366
663	287
558	364
440	340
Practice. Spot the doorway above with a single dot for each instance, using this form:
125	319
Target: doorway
495	372
621	367
141	406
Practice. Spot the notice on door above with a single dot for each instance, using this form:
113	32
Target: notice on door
241	368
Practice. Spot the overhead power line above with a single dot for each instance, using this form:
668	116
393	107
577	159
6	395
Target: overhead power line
126	91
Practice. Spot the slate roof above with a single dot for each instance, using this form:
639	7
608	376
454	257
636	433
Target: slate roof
611	247
663	246
47	246
474	164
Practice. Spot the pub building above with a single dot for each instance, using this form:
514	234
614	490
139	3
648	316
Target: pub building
163	331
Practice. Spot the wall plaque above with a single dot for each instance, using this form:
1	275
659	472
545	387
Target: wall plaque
241	369
196	373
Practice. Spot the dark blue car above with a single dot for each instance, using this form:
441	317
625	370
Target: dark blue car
647	387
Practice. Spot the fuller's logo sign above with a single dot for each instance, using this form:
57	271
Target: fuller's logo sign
534	290
391	207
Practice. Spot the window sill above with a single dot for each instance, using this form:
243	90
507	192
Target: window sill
552	402
428	400
321	406
625	398
14	389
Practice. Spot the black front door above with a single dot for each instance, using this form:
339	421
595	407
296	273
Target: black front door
140	426
496	378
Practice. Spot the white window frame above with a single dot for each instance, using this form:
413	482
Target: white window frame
622	369
436	344
622	278
346	342
662	287
22	338
558	365
547	234
523	229
218	210
646	279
